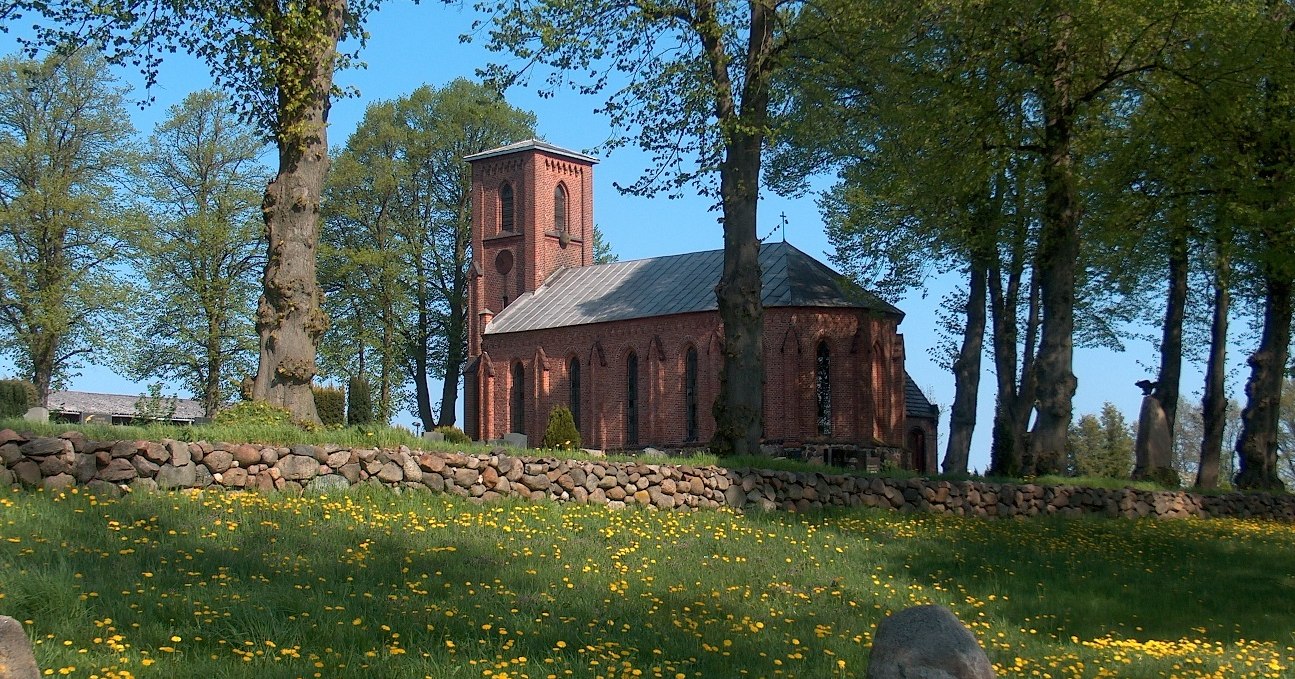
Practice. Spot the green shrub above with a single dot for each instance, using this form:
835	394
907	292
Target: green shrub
330	405
359	402
16	397
561	432
254	413
453	435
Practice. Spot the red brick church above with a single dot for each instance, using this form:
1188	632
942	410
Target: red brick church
633	348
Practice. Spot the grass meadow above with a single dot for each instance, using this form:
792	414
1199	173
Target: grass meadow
374	584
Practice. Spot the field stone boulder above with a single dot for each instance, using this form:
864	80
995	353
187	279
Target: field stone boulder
101	488
328	483
9	453
58	482
119	469
10	436
295	467
183	476
246	455
218	460
28	473
926	642
42	447
6	477
16	658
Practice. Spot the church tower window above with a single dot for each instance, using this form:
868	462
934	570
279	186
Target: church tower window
823	389
560	209
506	213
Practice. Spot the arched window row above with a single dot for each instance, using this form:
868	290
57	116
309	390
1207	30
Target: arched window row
560	208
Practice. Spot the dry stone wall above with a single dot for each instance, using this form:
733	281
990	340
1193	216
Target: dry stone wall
113	467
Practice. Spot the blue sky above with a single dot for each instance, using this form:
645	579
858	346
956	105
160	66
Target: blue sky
412	45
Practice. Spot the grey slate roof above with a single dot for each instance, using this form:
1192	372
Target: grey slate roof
915	402
530	145
676	284
82	402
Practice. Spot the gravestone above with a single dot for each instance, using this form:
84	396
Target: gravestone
16	658
515	440
926	642
38	414
434	436
1153	449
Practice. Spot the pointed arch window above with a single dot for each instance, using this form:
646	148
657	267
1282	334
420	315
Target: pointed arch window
507	220
560	209
517	399
690	393
823	389
573	382
632	399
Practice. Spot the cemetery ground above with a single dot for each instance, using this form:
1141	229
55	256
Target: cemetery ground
372	583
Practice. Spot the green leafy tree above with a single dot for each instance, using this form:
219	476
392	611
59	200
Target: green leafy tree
64	149
398	223
276	60
1101	445
698	81
201	251
154	407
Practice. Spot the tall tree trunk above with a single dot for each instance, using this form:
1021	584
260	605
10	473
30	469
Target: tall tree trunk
1257	446
966	372
418	355
43	351
739	409
1153	464
215	356
740	406
1214	405
1057	259
289	319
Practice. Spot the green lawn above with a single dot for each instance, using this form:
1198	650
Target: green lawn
380	585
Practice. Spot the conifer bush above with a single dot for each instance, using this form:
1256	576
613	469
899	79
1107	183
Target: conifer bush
16	397
359	402
561	432
330	404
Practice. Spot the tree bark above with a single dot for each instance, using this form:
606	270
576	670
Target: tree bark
289	320
966	373
1214	404
740	406
739	409
1057	257
1257	446
418	354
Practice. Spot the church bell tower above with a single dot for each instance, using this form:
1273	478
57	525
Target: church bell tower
532	214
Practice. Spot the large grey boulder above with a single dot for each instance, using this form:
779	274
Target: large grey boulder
171	476
16	658
926	642
38	414
516	440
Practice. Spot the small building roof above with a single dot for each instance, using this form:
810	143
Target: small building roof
676	284
120	405
530	145
915	402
